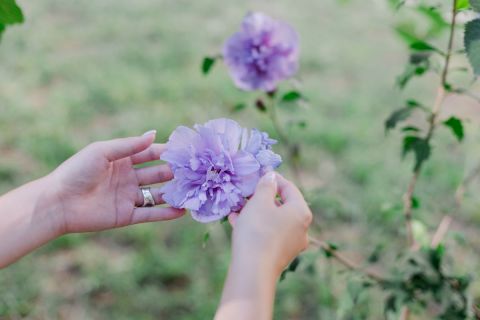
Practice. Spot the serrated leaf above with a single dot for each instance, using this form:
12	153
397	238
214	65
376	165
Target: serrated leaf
472	44
396	117
419	146
291	96
456	126
207	64
10	13
475	4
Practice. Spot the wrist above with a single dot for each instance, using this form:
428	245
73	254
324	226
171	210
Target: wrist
50	206
256	262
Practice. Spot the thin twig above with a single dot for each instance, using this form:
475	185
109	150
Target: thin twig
441	94
405	315
349	264
464	185
441	231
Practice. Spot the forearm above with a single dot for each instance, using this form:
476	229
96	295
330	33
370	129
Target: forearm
29	217
249	291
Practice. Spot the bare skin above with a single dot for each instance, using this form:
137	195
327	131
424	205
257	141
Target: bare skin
266	237
99	188
96	189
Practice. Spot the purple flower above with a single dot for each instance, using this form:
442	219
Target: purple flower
215	167
263	53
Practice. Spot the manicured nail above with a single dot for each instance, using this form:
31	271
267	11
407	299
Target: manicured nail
150	132
270	177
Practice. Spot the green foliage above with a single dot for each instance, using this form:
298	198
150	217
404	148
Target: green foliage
396	117
419	146
463	5
207	64
475	4
472	44
419	64
456	126
424	46
420	279
239	107
291	96
292	267
10	13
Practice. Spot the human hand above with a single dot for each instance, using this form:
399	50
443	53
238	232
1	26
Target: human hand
99	188
272	231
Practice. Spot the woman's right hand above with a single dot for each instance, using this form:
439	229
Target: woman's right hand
270	230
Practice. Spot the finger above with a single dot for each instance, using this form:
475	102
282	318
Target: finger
266	188
151	214
288	191
152	153
153	174
232	218
156	193
121	148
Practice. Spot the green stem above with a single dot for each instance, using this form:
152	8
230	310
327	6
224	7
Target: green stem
292	148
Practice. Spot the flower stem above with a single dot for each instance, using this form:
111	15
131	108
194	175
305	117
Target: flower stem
293	152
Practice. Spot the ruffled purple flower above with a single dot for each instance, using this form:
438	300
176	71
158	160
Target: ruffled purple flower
216	167
264	52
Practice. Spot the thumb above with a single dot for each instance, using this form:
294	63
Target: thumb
124	147
267	187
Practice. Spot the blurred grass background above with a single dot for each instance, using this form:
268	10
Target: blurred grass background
77	72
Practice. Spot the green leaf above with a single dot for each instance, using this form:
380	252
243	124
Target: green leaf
462	5
412	70
410	129
475	4
291	96
415	203
472	44
10	13
419	146
423	46
292	267
396	117
206	237
207	64
435	16
457	127
239	107
302	124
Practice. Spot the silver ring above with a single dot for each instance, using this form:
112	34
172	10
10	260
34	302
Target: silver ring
148	200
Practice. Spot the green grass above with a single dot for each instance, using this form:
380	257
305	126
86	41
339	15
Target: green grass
75	73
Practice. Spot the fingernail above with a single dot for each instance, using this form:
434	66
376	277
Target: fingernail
149	132
270	177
